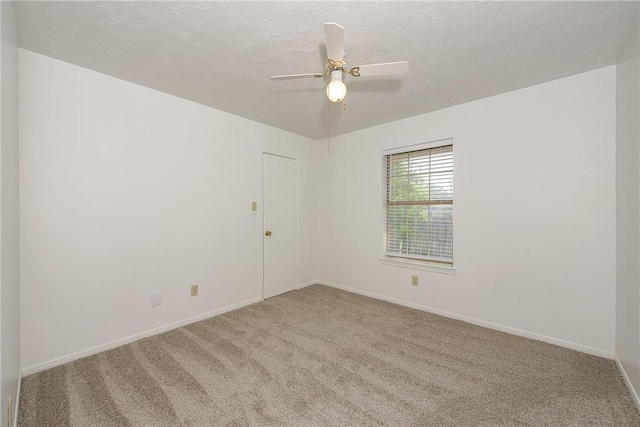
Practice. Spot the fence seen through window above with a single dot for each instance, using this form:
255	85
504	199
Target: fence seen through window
419	204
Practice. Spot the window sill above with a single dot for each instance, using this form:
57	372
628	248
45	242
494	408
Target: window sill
416	264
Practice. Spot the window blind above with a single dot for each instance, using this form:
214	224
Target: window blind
419	204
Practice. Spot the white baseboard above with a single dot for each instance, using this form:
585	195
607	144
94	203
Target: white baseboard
126	340
634	394
304	285
17	400
155	331
513	331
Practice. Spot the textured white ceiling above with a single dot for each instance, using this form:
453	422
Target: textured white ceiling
222	53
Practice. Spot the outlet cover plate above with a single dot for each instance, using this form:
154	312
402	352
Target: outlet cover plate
194	290
156	299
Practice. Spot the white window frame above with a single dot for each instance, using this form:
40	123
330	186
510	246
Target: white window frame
410	261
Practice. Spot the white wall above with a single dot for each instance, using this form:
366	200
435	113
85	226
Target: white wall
534	213
9	212
627	345
125	191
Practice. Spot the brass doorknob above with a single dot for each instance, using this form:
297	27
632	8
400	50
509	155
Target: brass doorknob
268	233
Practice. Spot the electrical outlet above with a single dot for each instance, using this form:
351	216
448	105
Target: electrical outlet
194	290
414	280
254	206
156	299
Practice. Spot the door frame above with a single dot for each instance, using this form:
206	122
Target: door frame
262	231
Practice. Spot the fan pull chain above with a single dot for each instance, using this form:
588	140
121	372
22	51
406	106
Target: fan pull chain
328	124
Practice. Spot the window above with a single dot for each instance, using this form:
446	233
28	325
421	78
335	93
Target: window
419	203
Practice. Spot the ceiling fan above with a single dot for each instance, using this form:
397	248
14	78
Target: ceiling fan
336	63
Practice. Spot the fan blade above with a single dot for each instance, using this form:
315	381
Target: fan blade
334	37
296	76
386	69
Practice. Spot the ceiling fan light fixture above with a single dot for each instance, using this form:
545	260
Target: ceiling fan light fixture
336	62
336	89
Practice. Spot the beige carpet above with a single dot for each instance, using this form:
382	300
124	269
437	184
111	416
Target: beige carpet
321	357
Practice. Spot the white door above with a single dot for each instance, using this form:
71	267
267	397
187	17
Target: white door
280	234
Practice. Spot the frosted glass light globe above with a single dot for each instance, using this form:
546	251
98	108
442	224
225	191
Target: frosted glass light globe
336	90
